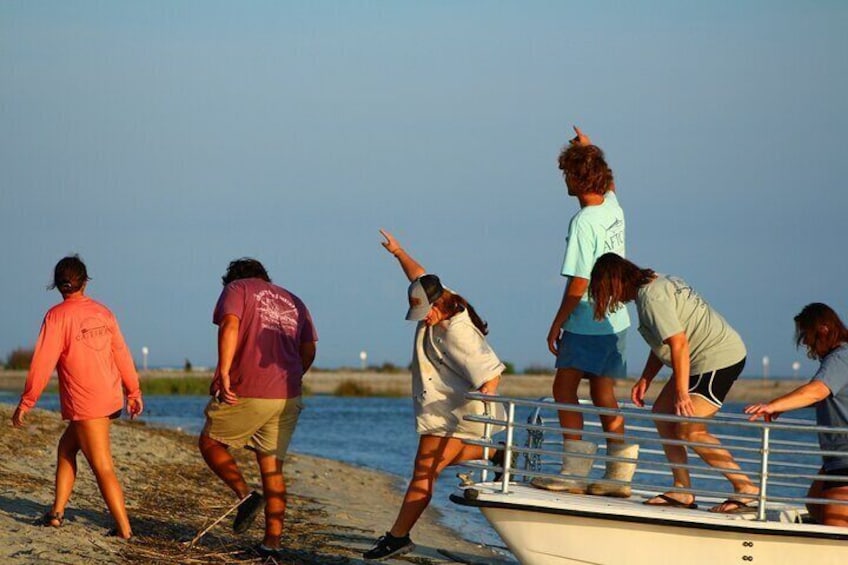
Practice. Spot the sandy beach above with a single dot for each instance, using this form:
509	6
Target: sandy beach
335	510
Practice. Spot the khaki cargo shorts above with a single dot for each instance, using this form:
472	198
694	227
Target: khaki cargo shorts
264	425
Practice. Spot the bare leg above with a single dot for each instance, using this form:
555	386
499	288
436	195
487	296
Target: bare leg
714	456
828	514
93	437
717	457
816	491
274	490
602	390
66	469
676	454
565	386
219	459
434	454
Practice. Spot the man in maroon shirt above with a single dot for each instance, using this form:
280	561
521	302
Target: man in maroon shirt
266	342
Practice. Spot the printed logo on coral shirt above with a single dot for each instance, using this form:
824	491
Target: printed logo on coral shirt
94	334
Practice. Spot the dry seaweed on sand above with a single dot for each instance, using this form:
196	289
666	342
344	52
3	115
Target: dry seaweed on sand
171	495
181	499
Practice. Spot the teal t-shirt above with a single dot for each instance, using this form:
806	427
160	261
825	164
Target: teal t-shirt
593	231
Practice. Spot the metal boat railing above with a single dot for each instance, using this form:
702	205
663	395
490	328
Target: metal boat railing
782	457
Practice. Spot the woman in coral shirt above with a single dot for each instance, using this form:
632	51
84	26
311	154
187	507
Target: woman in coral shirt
80	338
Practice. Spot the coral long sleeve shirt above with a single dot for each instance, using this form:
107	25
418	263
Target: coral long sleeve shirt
80	338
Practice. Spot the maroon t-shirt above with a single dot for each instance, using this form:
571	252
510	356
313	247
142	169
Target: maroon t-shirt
272	324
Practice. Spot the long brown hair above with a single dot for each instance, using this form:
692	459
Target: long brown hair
614	281
452	304
813	318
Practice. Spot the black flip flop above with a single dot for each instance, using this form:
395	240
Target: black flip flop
739	507
669	501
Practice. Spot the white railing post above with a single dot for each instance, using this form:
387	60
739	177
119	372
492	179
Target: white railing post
761	509
507	464
487	435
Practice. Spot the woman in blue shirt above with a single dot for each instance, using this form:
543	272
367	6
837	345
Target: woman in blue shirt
824	335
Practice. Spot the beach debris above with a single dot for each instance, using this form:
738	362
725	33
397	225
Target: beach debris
217	521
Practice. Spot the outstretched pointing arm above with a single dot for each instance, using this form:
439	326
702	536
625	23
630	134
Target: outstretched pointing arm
410	266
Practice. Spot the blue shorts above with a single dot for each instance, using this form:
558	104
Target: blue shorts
601	355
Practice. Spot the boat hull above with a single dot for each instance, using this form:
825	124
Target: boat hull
546	539
545	529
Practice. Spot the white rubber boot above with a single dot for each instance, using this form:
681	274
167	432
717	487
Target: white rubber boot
576	468
617	471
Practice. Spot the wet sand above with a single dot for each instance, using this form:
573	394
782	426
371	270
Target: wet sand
335	510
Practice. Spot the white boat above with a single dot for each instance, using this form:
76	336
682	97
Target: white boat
546	528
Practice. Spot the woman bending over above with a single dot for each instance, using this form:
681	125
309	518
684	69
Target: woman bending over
450	358
705	354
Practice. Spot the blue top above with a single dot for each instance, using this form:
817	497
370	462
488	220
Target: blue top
833	410
593	231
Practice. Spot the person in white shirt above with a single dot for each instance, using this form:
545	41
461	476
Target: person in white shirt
451	357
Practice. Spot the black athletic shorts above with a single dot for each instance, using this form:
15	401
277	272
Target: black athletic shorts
714	386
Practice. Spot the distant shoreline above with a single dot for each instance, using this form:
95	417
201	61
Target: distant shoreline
746	389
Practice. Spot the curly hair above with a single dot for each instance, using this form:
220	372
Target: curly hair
586	169
69	275
245	268
613	281
807	322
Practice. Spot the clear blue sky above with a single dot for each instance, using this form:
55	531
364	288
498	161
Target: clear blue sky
162	139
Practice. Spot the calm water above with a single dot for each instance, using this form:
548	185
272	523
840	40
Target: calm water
378	433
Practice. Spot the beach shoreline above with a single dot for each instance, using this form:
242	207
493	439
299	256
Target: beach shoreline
335	510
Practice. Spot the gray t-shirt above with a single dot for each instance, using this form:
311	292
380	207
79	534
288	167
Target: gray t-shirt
833	410
668	306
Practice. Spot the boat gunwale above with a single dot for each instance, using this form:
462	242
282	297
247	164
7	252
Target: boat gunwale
737	526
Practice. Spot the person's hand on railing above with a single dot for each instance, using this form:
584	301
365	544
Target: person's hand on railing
490	387
762	410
